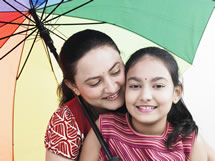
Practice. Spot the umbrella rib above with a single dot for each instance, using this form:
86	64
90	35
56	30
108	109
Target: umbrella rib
17	33
44	9
50	62
17	45
35	4
53	10
69	11
31	4
57	24
41	4
57	35
27	56
16	23
21	4
18	11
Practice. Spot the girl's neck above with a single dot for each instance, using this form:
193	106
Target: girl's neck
155	128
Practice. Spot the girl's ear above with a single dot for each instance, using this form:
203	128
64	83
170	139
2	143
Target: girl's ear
177	93
72	86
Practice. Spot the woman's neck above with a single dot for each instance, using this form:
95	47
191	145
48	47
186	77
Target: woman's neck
96	111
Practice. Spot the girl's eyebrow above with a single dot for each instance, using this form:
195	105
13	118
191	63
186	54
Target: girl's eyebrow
158	78
134	79
153	80
96	77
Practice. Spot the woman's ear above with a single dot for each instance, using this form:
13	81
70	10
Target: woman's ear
72	86
177	93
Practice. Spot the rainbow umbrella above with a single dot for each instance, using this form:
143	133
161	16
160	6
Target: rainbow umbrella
30	31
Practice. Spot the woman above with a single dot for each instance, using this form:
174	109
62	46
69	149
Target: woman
92	68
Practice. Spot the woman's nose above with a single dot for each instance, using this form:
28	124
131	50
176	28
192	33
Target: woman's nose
110	86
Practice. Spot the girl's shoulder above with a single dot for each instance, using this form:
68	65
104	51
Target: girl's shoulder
199	150
112	118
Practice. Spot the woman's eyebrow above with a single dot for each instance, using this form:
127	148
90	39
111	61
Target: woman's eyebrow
91	78
114	66
96	77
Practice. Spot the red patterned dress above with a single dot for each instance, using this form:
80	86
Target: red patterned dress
129	145
66	130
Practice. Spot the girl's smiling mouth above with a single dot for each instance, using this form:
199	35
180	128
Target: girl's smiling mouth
146	108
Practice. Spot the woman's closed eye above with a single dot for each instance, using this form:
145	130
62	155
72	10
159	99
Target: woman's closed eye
116	72
94	83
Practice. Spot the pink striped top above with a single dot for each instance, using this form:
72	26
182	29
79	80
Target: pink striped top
129	145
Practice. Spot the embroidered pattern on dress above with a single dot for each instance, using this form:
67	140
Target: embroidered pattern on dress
63	137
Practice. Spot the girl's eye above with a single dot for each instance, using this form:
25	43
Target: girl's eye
134	86
158	86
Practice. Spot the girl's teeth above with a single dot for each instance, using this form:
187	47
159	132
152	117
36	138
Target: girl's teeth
147	108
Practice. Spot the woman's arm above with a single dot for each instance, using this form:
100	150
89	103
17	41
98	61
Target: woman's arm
199	150
54	157
91	147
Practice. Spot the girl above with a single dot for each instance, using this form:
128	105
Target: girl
158	125
92	68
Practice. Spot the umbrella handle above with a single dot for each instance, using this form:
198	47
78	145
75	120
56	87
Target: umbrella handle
96	130
115	159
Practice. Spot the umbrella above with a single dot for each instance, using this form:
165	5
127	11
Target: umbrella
169	24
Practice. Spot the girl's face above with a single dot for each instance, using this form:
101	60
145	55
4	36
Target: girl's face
149	93
100	78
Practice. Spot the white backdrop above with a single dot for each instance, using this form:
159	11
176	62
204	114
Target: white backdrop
199	85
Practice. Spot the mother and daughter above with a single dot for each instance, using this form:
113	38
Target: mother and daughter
153	124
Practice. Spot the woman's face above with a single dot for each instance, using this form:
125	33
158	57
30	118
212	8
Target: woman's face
149	92
100	78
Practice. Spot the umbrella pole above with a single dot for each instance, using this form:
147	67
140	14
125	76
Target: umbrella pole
96	130
44	33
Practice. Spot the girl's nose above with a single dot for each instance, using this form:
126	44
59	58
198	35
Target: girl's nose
146	94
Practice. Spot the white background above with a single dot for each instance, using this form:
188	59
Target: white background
199	85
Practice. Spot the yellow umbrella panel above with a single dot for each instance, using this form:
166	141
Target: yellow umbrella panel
35	97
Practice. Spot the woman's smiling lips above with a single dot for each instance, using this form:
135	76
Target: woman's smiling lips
146	108
112	97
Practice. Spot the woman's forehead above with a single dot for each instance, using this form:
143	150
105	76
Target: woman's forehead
98	60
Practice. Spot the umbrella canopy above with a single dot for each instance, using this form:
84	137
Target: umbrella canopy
28	88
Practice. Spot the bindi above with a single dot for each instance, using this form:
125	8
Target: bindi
145	78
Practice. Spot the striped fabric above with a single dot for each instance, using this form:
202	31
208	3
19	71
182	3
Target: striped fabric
129	145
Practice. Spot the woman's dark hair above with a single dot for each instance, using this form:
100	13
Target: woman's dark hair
179	116
73	50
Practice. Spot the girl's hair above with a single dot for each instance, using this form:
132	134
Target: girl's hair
73	50
179	116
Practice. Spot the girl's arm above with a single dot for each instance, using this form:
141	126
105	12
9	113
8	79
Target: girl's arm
211	153
91	147
199	151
